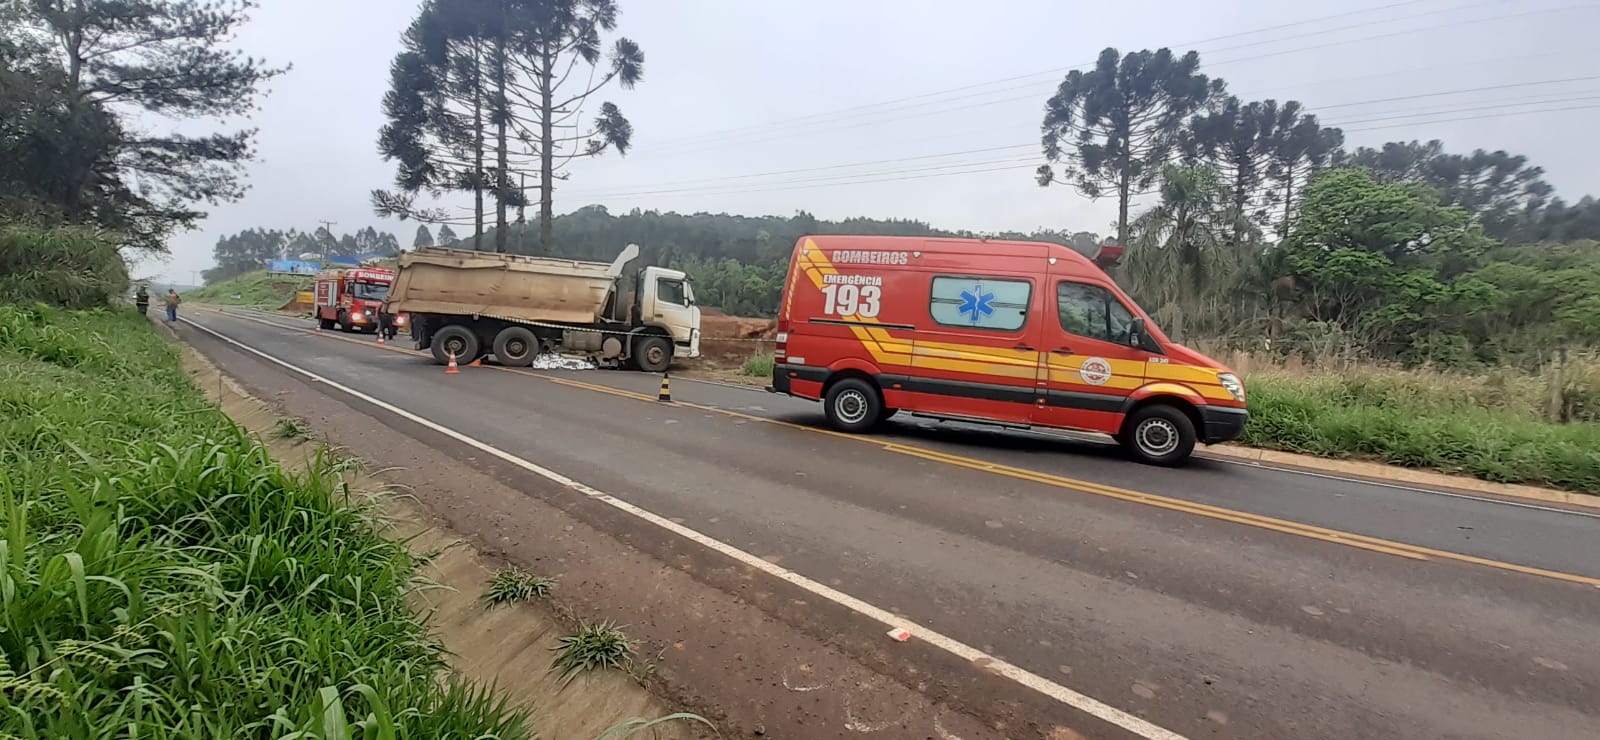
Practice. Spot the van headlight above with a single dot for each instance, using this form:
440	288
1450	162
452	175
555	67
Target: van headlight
1232	385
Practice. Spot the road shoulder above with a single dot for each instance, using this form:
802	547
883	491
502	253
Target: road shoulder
709	640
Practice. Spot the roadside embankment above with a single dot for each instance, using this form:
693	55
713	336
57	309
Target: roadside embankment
161	572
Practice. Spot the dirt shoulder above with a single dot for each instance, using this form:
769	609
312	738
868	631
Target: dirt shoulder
715	637
506	647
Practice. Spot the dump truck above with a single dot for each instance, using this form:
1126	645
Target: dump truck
467	305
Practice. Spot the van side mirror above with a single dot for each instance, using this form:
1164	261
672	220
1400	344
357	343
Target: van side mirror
1139	337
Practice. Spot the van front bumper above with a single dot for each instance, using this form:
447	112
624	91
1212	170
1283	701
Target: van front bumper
1222	424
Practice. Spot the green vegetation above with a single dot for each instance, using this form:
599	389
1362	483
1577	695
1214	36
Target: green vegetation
161	575
629	728
291	428
759	366
256	289
515	586
72	266
1489	427
593	647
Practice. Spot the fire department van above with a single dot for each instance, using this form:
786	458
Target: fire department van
1017	334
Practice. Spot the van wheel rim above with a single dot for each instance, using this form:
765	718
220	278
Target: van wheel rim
851	406
1157	437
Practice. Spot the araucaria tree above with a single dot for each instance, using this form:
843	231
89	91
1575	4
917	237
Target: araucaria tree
1112	128
485	89
90	66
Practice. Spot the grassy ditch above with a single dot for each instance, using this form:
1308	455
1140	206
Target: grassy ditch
161	575
1489	430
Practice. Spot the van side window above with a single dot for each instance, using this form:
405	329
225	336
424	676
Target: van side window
980	302
670	291
1092	311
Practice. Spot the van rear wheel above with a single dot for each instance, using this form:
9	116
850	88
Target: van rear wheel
1159	435
852	405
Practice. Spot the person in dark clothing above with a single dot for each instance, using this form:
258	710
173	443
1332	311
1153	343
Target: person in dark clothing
142	300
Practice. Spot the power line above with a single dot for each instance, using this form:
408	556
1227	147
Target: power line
1405	32
866	178
1051	71
1470	109
664	187
1031	161
1477	118
780	131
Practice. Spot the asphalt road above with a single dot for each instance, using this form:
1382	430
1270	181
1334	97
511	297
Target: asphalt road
1217	600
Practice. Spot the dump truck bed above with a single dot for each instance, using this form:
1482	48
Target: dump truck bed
509	286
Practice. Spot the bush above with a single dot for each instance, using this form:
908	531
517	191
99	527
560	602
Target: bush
758	367
67	266
1397	418
163	576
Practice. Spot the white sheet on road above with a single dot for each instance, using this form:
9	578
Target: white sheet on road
558	362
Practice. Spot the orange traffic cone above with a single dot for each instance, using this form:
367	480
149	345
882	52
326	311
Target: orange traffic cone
476	363
452	369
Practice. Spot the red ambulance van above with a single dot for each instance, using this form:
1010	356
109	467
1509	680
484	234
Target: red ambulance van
1022	334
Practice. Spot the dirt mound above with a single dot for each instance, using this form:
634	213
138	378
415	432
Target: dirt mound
722	326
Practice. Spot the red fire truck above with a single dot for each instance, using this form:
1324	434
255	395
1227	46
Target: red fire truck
352	300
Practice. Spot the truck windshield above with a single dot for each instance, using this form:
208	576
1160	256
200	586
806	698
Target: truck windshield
371	291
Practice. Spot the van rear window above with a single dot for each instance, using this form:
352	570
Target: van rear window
980	302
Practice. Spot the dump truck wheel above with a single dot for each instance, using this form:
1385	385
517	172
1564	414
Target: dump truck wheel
653	354
454	339
515	346
326	324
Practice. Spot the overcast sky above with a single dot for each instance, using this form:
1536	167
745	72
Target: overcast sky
904	93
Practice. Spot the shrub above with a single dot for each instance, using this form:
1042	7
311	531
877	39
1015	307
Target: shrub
758	366
67	266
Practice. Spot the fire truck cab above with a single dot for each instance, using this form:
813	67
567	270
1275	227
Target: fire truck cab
352	300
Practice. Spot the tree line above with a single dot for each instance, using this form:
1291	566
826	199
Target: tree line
252	249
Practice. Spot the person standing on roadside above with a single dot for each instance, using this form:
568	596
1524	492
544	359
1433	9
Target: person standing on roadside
142	300
172	304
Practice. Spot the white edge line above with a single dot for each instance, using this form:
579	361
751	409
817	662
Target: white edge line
1062	694
1103	439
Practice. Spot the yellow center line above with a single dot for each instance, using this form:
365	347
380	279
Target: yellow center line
1309	531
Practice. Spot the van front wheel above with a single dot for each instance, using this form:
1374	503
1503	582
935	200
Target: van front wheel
1159	435
853	405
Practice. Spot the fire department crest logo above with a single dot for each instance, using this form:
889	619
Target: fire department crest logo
1095	371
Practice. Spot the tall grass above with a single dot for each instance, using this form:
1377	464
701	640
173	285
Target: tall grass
1488	430
161	576
758	366
69	266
